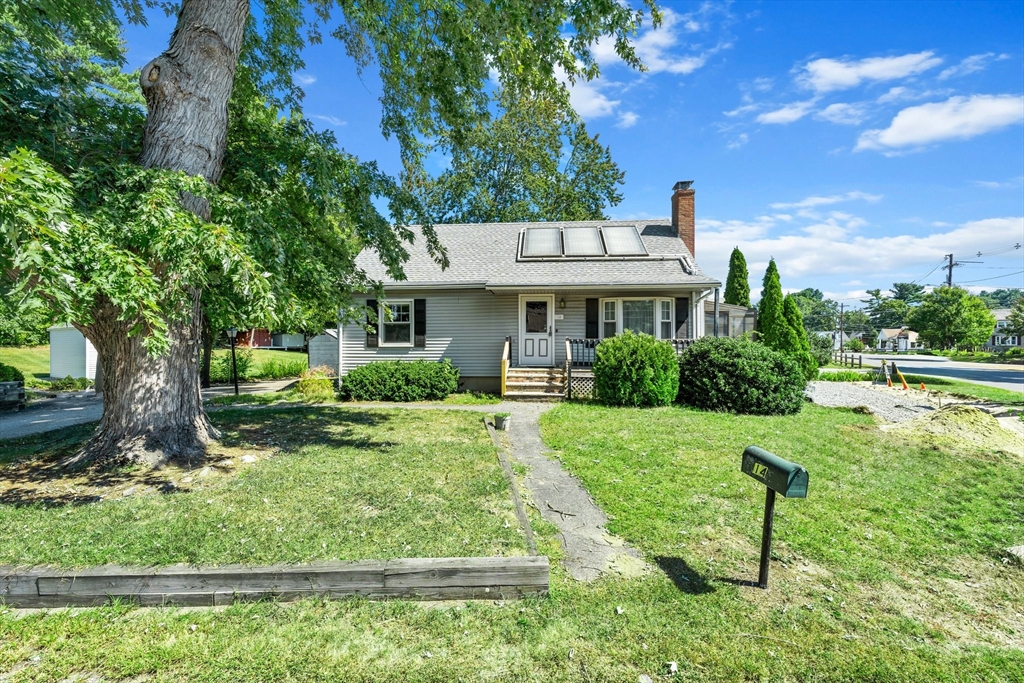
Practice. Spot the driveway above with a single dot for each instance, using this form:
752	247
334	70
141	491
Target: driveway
1002	376
85	406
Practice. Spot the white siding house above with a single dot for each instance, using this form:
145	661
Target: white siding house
71	354
536	285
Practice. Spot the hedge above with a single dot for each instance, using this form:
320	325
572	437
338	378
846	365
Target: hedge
9	373
739	376
402	381
635	370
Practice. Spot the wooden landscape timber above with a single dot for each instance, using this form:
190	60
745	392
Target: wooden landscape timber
454	578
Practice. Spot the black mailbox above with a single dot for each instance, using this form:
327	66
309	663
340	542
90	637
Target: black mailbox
779	475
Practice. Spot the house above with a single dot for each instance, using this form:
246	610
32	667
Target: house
1000	341
839	339
71	354
522	302
898	339
733	321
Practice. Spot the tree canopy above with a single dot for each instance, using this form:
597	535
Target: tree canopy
950	317
1001	298
535	162
737	284
1015	320
773	328
884	311
818	312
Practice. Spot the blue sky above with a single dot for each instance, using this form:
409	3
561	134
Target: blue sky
857	143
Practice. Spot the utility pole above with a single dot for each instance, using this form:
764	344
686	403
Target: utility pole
949	271
841	326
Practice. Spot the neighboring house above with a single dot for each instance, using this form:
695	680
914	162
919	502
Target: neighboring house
71	354
535	285
839	339
265	339
1000	341
733	321
898	339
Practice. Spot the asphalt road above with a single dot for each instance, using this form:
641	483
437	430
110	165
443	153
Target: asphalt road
1001	376
71	409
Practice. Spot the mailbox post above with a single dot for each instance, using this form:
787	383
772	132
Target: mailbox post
778	475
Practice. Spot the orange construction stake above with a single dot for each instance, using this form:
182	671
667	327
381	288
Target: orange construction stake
922	387
888	381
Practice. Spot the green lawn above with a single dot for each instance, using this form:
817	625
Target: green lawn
325	486
31	360
889	571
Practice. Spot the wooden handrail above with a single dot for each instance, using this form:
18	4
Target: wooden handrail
506	355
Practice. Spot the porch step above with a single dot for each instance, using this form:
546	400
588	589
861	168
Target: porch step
534	384
532	396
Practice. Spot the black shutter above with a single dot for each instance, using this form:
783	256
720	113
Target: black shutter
682	318
372	338
419	324
592	311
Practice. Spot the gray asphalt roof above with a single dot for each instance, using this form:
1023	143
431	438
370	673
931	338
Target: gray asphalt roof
485	254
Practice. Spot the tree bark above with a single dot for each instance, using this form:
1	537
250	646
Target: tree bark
152	408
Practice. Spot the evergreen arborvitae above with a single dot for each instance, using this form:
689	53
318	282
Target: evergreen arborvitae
796	322
773	330
737	286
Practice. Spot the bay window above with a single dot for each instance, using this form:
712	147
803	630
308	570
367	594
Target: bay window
655	317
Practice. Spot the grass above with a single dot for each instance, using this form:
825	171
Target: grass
885	520
325	485
31	360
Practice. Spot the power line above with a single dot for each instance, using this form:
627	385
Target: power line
997	277
1000	250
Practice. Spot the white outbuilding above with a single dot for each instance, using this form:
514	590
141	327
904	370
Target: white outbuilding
71	354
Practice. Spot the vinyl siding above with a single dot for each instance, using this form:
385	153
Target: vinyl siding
469	327
71	354
323	350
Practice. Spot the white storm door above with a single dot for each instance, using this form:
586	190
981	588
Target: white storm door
536	330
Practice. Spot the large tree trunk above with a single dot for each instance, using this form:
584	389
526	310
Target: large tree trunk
152	410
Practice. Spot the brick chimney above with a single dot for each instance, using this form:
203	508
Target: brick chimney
683	216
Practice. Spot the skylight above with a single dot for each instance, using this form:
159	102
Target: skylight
623	241
585	242
582	242
540	242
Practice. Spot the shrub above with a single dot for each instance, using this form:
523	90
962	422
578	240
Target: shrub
402	381
281	369
635	370
845	376
220	365
70	383
739	376
9	373
317	384
855	345
821	349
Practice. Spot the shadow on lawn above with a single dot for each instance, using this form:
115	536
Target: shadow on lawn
33	477
685	577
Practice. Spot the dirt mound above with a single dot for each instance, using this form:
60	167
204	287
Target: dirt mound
963	425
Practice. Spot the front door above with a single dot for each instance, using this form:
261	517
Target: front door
536	331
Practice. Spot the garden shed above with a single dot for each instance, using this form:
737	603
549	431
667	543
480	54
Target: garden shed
71	354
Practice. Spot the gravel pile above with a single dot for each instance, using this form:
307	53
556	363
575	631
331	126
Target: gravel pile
893	408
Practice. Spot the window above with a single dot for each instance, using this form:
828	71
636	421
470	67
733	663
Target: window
655	317
396	329
666	318
610	318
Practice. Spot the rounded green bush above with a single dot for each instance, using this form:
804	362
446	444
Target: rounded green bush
635	370
401	380
9	373
740	376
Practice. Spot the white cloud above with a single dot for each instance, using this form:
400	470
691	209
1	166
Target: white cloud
956	118
789	113
304	79
740	140
742	109
996	185
332	120
656	47
820	250
831	199
971	64
843	113
825	75
762	84
588	100
627	119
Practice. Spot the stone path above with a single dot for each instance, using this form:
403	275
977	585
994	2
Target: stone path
560	498
557	495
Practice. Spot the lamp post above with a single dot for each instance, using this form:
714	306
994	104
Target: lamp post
232	333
